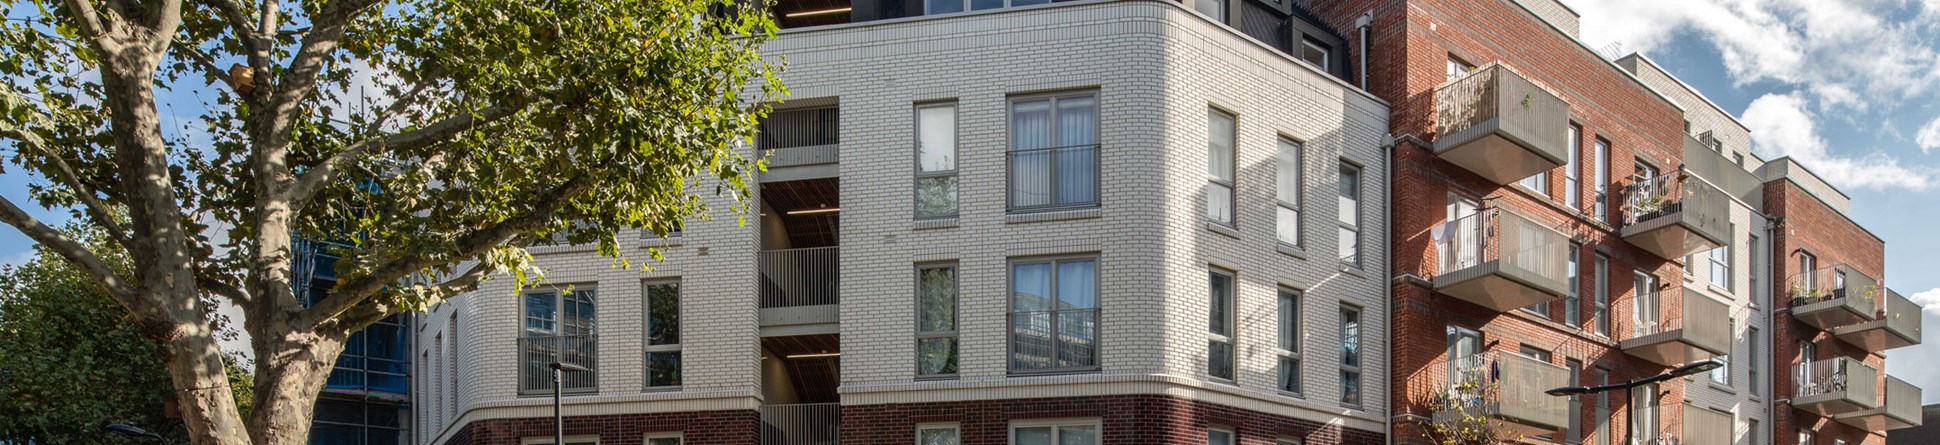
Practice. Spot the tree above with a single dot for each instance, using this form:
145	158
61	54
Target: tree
1464	412
488	126
69	361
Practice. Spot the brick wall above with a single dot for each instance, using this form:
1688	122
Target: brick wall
737	427
1810	225
1126	420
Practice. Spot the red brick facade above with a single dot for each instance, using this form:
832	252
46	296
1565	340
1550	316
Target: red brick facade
1412	43
1129	419
1808	225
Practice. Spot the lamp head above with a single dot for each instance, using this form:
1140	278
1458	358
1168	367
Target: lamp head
568	367
130	430
1568	391
1695	368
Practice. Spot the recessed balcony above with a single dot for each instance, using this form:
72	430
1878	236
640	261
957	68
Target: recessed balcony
1699	334
1518	403
1900	410
1676	215
1895	326
1836	386
1834	296
1502	261
1500	125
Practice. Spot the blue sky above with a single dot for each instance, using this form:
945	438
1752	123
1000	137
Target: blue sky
1851	87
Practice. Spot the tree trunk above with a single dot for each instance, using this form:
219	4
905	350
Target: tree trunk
202	387
291	370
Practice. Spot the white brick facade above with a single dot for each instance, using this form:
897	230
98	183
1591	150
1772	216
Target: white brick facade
1156	68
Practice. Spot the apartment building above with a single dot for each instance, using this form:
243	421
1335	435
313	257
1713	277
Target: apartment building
367	398
984	222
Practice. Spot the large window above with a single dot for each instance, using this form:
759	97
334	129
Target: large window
938	434
1220	356
1573	301
1600	171
1054	151
1573	428
1082	432
558	328
949	6
345	422
1601	314
1054	315
1752	357
1643	412
1220	435
1219	166
1572	177
1350	213
936	160
936	320
663	335
1721	266
1290	341
1808	265
1722	374
1287	190
1350	355
1602	408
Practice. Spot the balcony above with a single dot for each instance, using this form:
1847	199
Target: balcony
801	424
1676	215
1833	387
1519	403
1500	125
1834	296
802	143
1901	410
1704	426
537	353
1895	326
801	277
1699	334
1502	261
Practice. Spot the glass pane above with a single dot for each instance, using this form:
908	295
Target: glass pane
539	314
1287	225
1030	340
1290	321
1219	203
1350	388
936	356
339	411
1077	285
1219	359
663	314
1217	437
1289	374
1030	177
936	436
322	434
1078	435
936	299
1030	123
663	368
1077	121
1219	290
1287	177
936	196
1077	338
1350	246
1350	335
676	440
1350	195
1030	287
937	136
1219	146
1028	2
1034	436
943	6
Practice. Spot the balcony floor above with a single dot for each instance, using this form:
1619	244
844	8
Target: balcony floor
1669	236
1875	336
1669	348
1498	288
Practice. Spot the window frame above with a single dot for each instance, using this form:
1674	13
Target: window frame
1326	54
956	159
1751	350
1601	172
956	318
1097	155
647	348
1722	374
558	295
1230	303
647	439
1299	151
1573	301
1360	192
968	9
1360	348
1289	344
1721	273
1056	426
1097	309
956	429
1231	184
1232	434
1601	318
1572	176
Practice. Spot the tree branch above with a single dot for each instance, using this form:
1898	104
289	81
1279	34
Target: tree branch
311	181
219	287
207	63
365	314
232	12
73	251
349	294
95	209
90	21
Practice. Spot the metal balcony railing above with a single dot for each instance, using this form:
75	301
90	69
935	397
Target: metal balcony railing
1900	408
1861	292
536	354
1676	214
1896	324
1500	125
1518	382
1694	334
801	424
1056	177
1501	260
1702	426
801	277
1835	386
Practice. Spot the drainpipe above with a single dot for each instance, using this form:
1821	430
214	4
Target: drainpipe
1771	319
1365	22
1387	266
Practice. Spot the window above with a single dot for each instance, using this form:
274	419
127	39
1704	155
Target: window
1573	428
1054	151
938	434
570	440
1807	265
1690	266
1287	190
1757	261
663	335
936	320
1600	171
950	6
1807	437
1314	53
936	160
1722	374
438	385
1457	67
1350	214
1211	8
1643	409
1601	315
1220	435
345	421
1462	344
1290	341
1055	433
1602	408
1219	167
1752	358
1572	178
558	328
663	439
1054	315
1538	183
1643	314
1573	301
1752	431
1350	355
1220	351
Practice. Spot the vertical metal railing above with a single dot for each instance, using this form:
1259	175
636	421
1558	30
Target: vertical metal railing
801	424
1855	379
1902	315
1698	320
1824	285
1902	399
800	277
1053	177
1494	234
1519	383
1516	104
1696	201
537	353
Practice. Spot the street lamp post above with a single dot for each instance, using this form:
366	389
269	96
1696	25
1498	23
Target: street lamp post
559	420
1630	421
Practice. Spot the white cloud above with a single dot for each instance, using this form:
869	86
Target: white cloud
1929	136
18	259
1781	125
1929	300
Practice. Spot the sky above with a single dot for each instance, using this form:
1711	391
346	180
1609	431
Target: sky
1849	87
